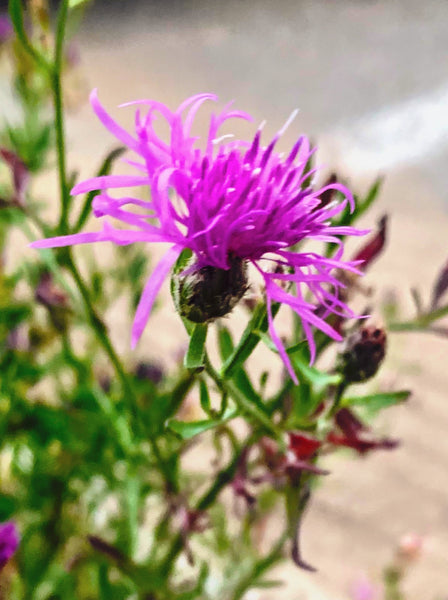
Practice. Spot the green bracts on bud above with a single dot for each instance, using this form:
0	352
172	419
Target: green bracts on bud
206	293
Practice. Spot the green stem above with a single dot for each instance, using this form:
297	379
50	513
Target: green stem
337	399
16	13
260	567
245	405
59	114
100	331
422	322
247	342
223	478
129	393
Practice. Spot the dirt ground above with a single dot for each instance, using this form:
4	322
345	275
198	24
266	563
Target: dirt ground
344	67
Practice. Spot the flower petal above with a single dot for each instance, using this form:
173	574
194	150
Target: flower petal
150	292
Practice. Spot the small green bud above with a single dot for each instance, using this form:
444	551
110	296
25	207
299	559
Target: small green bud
206	293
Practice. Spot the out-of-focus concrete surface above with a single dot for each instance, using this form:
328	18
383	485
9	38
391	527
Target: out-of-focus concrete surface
371	81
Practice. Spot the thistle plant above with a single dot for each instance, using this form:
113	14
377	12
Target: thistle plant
95	454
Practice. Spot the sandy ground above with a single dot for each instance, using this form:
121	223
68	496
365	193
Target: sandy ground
367	78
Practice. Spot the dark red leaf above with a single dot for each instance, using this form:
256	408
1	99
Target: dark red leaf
374	246
440	286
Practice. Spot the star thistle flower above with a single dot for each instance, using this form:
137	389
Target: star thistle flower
231	203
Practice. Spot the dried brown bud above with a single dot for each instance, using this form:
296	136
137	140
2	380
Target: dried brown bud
363	354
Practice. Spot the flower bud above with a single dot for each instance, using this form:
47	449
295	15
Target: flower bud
410	547
363	354
206	293
149	371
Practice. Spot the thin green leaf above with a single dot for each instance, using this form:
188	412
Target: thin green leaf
266	339
312	375
188	430
194	358
252	405
204	397
225	342
117	420
373	403
249	340
15	10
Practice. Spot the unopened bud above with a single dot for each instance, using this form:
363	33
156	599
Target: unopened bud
363	354
149	371
410	546
206	293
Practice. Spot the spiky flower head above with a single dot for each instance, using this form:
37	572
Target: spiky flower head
231	203
9	540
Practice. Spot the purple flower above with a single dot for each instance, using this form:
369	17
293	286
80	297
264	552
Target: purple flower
9	540
232	203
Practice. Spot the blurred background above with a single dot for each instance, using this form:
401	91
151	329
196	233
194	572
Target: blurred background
371	81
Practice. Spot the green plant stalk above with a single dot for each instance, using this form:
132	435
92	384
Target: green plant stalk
340	390
223	478
15	10
228	387
180	389
260	567
422	322
129	393
56	87
247	342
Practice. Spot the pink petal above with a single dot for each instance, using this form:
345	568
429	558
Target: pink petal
111	125
150	292
108	181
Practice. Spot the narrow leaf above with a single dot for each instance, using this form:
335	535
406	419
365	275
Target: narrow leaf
194	358
225	342
249	339
204	397
15	10
313	375
376	402
188	430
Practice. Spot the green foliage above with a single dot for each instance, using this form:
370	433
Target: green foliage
195	356
374	403
190	429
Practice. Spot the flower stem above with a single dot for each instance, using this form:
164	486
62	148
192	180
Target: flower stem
243	403
340	390
223	478
128	390
246	344
260	567
422	321
56	87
